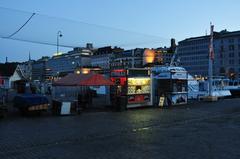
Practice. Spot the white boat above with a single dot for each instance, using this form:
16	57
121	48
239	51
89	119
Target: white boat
198	89
233	86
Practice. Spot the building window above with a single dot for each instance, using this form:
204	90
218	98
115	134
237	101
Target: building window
222	48
221	55
231	54
231	47
231	62
231	40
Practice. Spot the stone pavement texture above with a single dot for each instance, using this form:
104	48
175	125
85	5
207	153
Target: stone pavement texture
198	130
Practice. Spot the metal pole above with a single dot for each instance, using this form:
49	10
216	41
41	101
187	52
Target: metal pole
57	42
59	34
211	56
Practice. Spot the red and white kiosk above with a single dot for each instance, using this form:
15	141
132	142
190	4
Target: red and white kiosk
133	84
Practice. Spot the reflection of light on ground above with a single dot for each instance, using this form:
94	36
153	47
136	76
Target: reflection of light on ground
141	129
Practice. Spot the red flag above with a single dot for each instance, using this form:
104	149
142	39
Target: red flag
211	50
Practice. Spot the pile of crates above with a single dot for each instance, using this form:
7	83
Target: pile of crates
30	103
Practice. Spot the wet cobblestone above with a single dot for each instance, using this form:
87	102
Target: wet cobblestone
199	130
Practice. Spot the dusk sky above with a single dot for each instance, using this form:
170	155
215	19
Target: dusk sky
163	19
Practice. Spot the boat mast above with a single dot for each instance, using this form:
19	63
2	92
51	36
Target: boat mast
173	57
211	58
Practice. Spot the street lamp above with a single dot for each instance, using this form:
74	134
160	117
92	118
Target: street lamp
59	34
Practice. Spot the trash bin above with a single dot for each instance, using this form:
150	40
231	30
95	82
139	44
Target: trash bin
120	103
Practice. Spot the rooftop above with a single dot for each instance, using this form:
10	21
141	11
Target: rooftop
7	69
221	34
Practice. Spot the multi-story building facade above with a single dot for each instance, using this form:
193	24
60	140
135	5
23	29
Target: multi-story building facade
103	57
66	63
163	56
61	64
194	54
128	59
88	50
39	69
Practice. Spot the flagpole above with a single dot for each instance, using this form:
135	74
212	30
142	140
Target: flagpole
211	57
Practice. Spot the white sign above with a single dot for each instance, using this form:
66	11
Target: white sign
66	108
161	101
162	75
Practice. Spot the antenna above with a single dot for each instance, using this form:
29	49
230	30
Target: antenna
29	56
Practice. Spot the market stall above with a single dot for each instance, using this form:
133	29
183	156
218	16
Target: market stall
170	85
134	85
80	88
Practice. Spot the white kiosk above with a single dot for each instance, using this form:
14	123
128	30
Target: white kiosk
170	86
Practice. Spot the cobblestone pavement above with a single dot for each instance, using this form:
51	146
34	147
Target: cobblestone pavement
200	130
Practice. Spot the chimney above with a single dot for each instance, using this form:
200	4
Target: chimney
173	44
89	46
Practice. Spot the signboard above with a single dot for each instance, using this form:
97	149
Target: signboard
179	75
169	72
119	80
165	75
161	101
118	73
66	108
170	75
138	98
178	99
138	73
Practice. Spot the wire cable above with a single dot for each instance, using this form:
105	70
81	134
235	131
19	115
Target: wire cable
100	35
21	26
42	43
82	22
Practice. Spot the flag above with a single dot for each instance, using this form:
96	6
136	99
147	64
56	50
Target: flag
211	50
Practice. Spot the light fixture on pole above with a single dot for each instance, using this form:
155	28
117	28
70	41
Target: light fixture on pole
59	34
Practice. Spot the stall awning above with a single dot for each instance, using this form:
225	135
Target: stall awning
84	80
97	80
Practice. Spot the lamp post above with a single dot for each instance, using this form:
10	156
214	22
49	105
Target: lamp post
59	34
